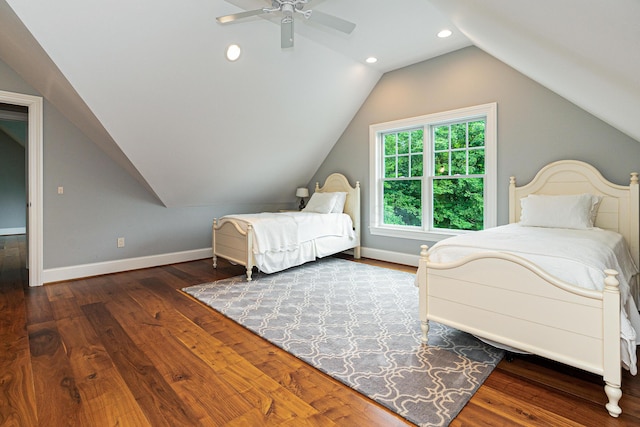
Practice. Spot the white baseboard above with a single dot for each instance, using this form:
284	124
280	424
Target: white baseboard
51	275
87	270
12	231
396	257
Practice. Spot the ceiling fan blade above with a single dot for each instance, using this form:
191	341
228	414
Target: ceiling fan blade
234	17
331	21
286	32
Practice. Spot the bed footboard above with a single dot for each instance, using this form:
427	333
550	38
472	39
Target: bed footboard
509	300
231	242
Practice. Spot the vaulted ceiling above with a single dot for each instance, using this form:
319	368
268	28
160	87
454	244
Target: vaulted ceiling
148	82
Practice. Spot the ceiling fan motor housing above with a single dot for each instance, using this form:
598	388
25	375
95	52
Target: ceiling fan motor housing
288	8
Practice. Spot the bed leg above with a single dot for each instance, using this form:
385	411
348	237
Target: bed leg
356	252
425	331
249	271
614	394
213	242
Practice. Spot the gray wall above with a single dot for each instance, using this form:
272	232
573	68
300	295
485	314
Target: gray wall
101	202
13	195
535	126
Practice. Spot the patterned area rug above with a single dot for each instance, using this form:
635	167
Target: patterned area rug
359	324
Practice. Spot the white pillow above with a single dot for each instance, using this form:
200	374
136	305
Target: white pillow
341	198
321	203
571	211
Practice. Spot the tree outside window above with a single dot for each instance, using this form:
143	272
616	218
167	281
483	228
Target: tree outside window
434	175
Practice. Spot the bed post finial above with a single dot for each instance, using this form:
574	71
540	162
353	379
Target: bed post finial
610	282
317	186
634	177
424	251
357	184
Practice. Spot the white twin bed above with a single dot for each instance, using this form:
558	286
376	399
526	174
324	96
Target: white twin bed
560	281
330	223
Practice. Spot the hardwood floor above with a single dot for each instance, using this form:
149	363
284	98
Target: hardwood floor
129	349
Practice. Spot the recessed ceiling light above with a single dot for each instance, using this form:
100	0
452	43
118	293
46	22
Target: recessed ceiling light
233	52
371	60
444	34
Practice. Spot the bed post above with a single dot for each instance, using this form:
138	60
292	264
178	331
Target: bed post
356	214
422	292
611	342
213	242
512	201
249	251
634	233
634	207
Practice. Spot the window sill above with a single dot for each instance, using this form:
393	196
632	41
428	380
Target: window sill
429	236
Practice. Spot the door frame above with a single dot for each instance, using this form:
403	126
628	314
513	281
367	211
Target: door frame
35	177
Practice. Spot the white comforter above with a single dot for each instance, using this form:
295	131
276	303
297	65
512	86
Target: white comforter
285	239
578	257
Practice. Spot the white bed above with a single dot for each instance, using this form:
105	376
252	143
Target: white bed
274	241
529	299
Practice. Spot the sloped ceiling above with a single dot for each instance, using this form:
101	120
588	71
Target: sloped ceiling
147	80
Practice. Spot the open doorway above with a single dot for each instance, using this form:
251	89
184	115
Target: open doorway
15	104
13	169
13	185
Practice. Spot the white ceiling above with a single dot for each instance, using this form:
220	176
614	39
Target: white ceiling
148	82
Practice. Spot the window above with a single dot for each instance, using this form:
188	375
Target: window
433	176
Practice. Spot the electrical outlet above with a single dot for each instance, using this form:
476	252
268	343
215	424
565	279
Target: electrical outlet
60	190
121	242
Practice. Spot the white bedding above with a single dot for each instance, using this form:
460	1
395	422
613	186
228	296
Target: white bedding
285	239
578	257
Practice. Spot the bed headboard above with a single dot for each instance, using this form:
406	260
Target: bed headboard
339	182
618	210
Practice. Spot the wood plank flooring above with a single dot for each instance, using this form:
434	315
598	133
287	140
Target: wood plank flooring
129	349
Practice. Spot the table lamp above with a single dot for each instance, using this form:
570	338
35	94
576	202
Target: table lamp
302	192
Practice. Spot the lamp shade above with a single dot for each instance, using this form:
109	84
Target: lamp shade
302	192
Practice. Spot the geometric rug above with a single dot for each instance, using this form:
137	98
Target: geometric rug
359	324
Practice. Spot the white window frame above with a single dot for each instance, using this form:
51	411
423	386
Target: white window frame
376	170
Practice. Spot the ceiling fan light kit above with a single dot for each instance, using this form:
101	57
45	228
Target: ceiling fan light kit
288	8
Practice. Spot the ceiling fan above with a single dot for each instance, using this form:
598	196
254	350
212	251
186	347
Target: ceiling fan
288	8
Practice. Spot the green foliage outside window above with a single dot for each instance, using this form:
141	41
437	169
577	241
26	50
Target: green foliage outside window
403	163
458	193
403	202
458	204
458	200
